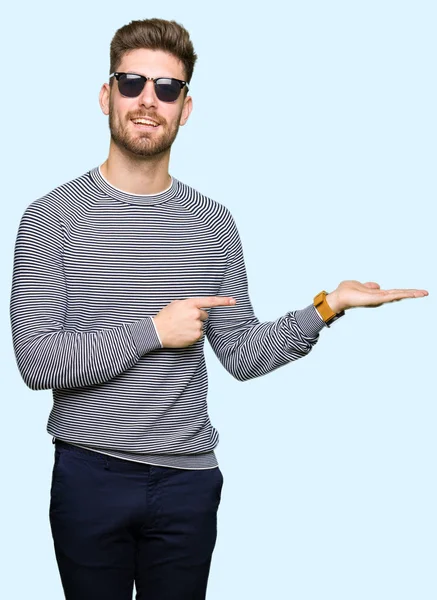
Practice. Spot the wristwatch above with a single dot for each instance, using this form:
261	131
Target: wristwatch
324	310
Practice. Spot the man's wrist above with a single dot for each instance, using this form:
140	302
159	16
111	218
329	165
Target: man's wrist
333	302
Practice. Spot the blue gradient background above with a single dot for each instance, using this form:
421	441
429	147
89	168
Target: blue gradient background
315	123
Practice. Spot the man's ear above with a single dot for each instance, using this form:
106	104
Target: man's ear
186	111
104	98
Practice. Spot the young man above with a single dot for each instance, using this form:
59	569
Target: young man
118	276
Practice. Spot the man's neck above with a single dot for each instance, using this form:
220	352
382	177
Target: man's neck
147	175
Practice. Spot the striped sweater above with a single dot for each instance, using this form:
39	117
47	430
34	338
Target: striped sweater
93	265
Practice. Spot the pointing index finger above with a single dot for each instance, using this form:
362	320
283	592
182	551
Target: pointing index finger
212	301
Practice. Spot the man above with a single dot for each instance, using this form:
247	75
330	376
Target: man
118	275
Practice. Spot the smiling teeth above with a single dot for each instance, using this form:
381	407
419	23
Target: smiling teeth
145	122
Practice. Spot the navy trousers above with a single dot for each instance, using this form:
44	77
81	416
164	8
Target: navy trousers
117	523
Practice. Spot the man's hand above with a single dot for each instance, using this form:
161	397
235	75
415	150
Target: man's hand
350	294
180	323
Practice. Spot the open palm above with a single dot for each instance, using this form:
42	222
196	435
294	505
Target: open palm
350	294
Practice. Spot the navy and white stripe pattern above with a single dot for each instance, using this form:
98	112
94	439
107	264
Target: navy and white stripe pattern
93	265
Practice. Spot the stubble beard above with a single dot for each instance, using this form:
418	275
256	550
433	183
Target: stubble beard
142	144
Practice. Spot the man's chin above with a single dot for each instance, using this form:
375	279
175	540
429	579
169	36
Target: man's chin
142	150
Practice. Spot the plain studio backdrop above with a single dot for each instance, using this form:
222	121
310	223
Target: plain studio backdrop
315	124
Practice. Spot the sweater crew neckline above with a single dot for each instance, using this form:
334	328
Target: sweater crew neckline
140	199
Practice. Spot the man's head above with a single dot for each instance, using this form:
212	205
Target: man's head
152	48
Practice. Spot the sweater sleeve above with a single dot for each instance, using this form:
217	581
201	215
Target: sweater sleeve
48	354
246	347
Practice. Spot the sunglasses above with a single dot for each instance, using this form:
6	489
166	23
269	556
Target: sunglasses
167	89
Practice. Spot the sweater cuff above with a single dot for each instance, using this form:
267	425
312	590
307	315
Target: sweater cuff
145	336
309	321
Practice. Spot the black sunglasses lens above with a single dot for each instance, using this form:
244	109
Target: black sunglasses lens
130	86
167	90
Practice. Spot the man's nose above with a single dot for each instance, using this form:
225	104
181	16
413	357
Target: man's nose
148	96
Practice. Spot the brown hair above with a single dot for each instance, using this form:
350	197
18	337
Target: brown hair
154	34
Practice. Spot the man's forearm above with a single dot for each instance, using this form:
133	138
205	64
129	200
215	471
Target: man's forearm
69	359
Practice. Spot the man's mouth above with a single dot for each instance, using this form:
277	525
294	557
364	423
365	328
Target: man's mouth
144	123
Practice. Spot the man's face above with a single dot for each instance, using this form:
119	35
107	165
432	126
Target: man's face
140	139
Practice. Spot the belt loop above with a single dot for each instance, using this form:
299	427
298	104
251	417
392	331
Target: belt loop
107	465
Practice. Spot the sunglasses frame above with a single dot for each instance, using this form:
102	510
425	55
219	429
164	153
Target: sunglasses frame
182	83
